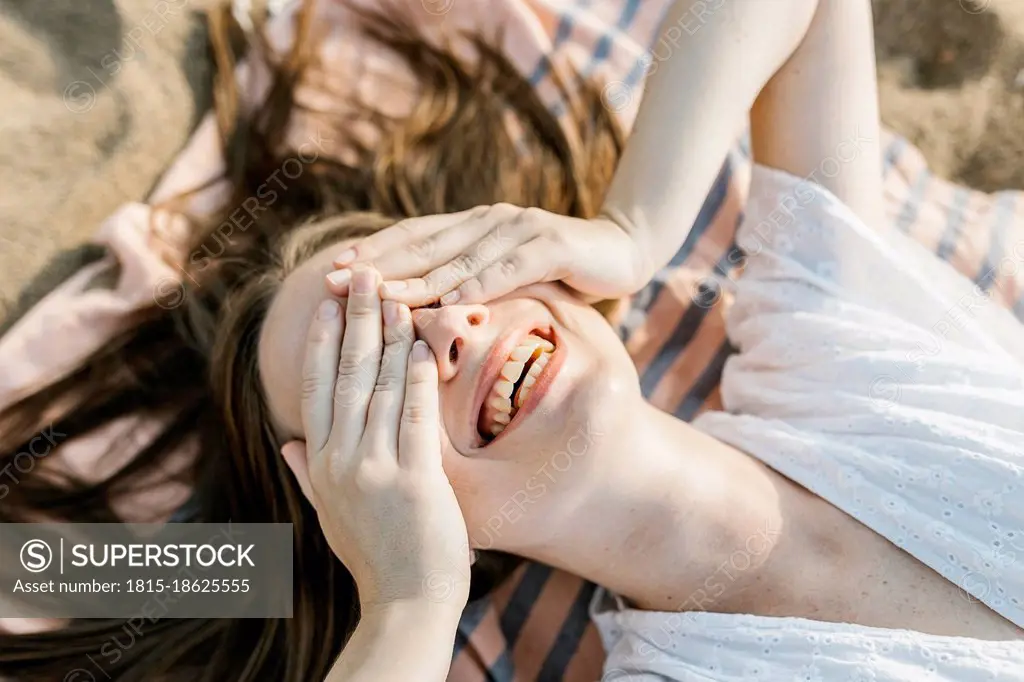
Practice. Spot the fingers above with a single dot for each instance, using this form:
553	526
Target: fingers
397	236
419	440
294	455
538	260
359	362
320	373
472	239
495	251
443	246
532	262
404	249
385	411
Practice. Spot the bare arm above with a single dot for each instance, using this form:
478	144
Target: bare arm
804	67
818	116
409	642
716	56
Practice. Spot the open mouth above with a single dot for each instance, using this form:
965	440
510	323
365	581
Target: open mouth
514	382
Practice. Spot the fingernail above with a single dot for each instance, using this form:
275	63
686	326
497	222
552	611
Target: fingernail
363	281
340	277
345	257
420	350
327	310
394	287
390	309
451	297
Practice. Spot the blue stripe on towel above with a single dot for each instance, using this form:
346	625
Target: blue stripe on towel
522	600
471	617
705	384
680	338
568	640
1005	208
603	47
892	153
502	670
954	224
543	68
908	214
1018	309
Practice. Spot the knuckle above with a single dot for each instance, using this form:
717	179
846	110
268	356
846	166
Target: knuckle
392	359
415	414
350	365
335	463
388	383
435	281
368	478
312	385
504	209
441	281
511	266
318	336
361	311
422	250
557	239
533	215
348	390
401	337
464	263
529	220
489	248
406	228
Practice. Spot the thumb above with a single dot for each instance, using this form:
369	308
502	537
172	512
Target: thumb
294	454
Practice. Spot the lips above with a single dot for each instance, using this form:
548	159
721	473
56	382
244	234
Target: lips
516	369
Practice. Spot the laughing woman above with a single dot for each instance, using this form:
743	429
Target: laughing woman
815	530
877	528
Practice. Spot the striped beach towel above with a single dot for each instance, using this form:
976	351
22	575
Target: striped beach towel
535	625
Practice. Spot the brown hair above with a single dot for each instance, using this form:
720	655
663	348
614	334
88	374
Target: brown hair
194	366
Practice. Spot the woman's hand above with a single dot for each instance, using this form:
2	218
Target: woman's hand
371	464
489	251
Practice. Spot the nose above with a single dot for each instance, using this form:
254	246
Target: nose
447	330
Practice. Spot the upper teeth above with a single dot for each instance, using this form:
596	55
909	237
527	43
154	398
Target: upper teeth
501	399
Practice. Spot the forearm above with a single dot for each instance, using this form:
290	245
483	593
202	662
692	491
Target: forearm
402	643
712	60
818	116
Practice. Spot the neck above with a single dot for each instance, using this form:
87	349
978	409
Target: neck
670	519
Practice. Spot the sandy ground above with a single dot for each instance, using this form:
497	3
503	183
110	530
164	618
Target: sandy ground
951	80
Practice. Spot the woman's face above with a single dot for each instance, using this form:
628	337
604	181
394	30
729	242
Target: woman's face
529	383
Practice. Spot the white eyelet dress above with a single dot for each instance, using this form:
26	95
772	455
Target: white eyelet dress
877	377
